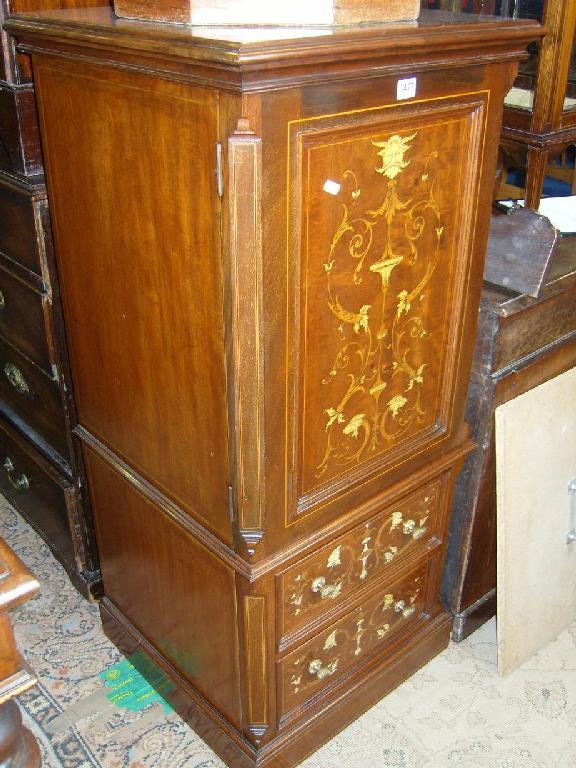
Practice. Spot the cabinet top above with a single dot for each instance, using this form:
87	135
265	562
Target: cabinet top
268	57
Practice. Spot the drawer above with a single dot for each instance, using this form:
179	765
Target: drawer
25	319
357	558
364	632
25	235
534	325
44	497
19	135
33	397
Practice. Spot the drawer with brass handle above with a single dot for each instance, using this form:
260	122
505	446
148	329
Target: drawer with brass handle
32	399
43	495
23	204
366	630
354	560
25	320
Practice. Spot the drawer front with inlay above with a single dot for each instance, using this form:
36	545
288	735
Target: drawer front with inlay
25	319
33	396
366	630
353	561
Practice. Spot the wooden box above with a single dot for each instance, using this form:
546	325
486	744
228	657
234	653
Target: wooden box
271	250
295	13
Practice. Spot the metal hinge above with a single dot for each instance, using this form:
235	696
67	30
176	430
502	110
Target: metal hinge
231	512
571	535
219	180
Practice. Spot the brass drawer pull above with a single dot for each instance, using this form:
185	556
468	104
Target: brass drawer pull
321	672
16	379
20	483
401	607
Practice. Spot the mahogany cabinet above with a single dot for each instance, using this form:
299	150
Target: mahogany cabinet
270	245
39	471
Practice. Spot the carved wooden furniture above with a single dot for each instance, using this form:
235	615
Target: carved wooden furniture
539	121
38	469
536	132
522	342
270	282
18	747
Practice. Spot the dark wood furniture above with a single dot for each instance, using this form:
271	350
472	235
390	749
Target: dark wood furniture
522	342
39	472
539	123
270	267
18	747
536	134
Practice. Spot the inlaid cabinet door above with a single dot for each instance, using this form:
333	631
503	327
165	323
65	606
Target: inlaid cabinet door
384	218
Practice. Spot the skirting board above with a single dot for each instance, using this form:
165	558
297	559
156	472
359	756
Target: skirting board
297	742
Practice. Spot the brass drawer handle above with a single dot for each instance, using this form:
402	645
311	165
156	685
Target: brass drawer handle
16	379
20	483
322	672
401	607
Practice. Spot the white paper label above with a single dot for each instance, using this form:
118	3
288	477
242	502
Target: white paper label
332	187
406	89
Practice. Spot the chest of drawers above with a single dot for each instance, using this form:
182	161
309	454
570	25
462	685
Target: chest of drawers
39	470
270	266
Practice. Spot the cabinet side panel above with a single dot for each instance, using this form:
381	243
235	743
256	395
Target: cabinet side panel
130	163
170	587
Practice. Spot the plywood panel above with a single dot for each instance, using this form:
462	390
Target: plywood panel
536	462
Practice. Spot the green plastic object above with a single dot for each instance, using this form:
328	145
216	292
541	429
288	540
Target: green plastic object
128	688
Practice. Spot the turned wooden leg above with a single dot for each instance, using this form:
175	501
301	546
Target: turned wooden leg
18	747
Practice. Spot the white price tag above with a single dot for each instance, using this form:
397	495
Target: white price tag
406	89
332	187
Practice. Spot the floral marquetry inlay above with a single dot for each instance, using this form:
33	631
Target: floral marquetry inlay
379	360
354	636
379	294
366	551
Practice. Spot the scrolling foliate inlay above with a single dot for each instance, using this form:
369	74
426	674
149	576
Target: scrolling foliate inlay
362	554
345	643
379	372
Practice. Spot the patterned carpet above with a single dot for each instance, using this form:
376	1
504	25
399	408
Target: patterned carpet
455	712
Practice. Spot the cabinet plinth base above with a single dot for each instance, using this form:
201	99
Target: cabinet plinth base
293	744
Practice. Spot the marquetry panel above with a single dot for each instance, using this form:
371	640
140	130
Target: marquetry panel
348	642
353	561
386	217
